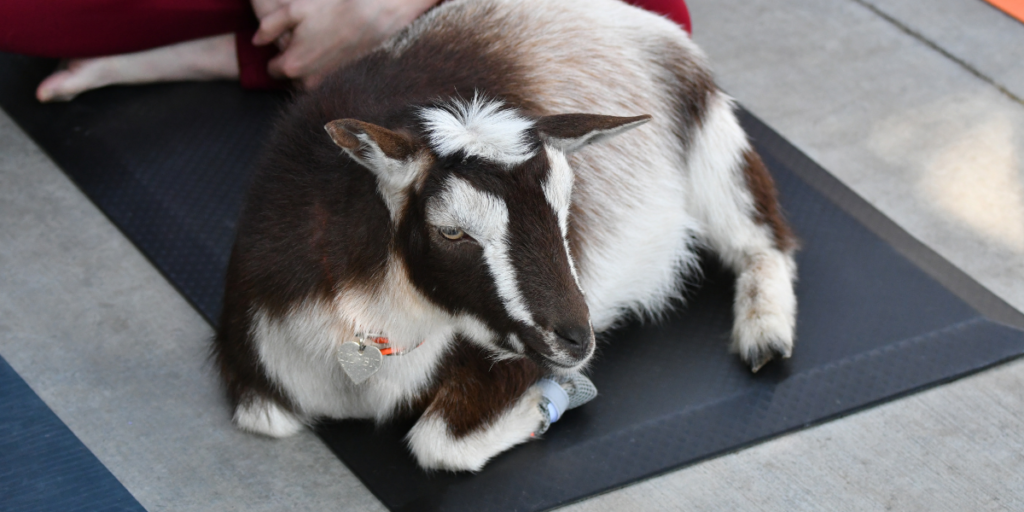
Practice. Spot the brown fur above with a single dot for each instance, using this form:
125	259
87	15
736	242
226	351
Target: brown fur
394	145
571	126
243	375
766	202
473	390
695	87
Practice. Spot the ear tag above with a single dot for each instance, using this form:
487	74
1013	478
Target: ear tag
359	361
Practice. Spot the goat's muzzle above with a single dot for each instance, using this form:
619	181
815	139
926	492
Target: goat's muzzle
576	340
568	347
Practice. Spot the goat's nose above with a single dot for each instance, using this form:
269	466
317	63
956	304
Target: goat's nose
576	338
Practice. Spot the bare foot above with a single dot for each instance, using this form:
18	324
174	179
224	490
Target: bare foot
211	58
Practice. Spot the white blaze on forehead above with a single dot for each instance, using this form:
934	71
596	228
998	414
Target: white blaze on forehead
484	217
481	128
558	192
558	186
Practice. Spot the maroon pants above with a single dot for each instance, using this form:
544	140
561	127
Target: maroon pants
69	29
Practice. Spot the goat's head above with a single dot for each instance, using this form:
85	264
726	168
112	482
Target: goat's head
480	204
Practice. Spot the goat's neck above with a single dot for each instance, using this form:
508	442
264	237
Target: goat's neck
394	309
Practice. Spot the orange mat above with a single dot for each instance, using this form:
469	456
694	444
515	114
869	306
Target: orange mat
1014	8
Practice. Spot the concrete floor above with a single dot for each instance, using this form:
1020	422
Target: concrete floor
915	105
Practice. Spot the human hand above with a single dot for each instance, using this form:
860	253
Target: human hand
264	8
318	36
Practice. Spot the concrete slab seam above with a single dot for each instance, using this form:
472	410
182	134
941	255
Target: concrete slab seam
933	45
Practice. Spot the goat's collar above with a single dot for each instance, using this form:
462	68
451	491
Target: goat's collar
382	343
363	356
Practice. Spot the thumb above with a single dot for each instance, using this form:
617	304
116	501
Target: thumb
273	25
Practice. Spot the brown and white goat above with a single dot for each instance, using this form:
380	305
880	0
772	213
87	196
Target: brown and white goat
479	217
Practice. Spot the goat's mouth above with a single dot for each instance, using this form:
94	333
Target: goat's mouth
554	350
563	367
568	358
559	365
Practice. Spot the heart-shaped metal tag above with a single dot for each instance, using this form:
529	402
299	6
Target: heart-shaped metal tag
359	361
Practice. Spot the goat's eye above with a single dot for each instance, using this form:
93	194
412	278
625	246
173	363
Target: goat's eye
451	232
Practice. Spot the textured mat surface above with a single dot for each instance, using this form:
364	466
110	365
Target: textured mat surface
880	314
43	466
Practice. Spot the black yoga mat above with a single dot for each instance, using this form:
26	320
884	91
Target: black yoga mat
43	466
880	314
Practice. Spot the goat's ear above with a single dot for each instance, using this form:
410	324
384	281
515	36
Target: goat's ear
569	132
388	154
369	144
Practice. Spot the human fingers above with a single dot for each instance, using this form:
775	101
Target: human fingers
291	63
273	25
264	7
311	82
283	41
327	34
274	67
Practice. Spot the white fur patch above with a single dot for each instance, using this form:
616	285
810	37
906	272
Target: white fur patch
718	192
263	417
480	214
485	218
765	307
481	128
558	192
393	176
558	186
517	344
435	448
299	350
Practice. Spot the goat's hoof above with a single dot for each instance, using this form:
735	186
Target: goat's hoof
763	334
759	355
261	416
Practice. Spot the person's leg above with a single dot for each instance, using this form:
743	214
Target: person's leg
112	42
211	58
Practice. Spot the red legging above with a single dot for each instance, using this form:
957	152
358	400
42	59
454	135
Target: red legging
93	28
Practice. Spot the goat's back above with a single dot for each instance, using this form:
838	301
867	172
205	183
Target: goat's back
631	233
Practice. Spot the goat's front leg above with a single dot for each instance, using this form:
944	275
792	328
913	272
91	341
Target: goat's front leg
736	200
480	409
760	250
764	308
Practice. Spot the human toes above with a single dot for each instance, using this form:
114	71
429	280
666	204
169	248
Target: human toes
77	77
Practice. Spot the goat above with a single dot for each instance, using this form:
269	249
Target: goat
474	208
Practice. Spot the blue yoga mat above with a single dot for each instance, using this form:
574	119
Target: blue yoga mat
43	466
